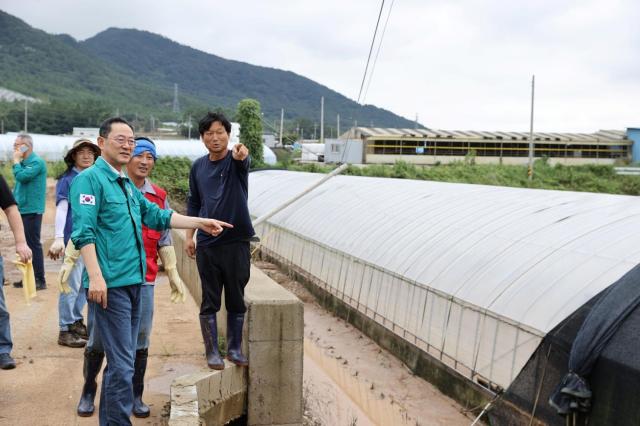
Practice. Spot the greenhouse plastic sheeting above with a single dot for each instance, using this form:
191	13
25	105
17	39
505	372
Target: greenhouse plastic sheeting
475	275
54	148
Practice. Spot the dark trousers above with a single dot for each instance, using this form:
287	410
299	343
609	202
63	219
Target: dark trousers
32	223
227	266
117	329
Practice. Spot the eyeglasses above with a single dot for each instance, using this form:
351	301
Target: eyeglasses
122	140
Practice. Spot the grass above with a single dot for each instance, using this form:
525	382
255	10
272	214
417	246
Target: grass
584	178
172	174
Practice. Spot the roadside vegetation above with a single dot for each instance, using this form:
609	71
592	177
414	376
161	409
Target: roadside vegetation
172	173
586	178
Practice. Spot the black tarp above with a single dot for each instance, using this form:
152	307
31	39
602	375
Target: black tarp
573	393
615	373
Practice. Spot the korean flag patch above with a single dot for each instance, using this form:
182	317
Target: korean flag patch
88	199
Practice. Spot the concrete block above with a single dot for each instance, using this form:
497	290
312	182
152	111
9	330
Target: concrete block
275	383
274	313
276	321
212	397
263	289
184	405
270	390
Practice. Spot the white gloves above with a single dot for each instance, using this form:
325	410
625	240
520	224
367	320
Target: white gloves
56	249
71	255
168	257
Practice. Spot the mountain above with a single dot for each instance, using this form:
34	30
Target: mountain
220	81
55	67
134	72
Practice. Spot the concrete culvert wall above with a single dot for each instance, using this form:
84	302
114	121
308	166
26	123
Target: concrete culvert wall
269	391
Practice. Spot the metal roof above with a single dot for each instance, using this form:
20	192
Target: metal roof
601	136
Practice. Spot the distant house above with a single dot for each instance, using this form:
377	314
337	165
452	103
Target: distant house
86	132
269	139
11	96
429	146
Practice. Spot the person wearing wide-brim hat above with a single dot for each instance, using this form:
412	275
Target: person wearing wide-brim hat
69	158
73	332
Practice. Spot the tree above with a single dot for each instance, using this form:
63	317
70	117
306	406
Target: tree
250	119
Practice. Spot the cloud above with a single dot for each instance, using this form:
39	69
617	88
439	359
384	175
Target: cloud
458	65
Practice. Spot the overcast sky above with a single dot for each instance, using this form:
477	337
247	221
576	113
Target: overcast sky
458	65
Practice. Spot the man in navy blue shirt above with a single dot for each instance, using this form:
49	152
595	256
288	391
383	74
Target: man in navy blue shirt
219	187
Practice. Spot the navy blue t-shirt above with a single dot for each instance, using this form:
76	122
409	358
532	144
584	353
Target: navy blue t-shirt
62	193
220	190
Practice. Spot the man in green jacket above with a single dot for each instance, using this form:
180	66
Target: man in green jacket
108	214
30	172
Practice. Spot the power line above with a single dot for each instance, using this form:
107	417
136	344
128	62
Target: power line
364	77
375	60
373	40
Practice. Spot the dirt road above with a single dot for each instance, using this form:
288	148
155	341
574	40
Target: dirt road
45	387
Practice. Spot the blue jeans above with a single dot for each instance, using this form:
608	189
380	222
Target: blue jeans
146	316
32	223
146	321
117	329
70	305
5	327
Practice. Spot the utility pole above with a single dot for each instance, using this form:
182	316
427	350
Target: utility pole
176	102
322	119
281	124
338	126
531	146
189	134
315	126
26	115
415	124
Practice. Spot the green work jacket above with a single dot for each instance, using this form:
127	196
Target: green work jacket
31	184
108	211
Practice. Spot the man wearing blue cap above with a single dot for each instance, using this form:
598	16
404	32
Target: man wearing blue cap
156	243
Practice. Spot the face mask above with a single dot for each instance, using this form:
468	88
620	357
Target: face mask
23	148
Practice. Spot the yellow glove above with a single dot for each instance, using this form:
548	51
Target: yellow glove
168	257
71	255
28	278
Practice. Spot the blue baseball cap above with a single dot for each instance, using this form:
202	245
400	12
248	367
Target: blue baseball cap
144	144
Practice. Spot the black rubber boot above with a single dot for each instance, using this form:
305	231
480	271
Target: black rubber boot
209	327
140	409
235	321
90	370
